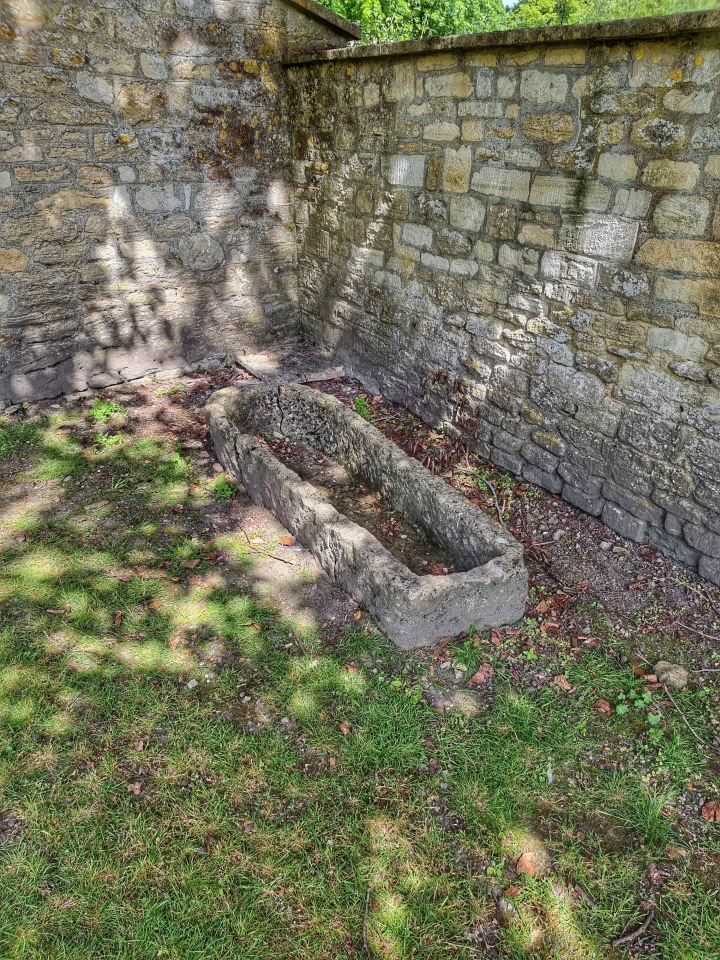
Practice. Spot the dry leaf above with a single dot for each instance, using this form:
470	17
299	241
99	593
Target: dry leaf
212	556
155	604
249	827
711	811
189	564
482	675
513	890
527	865
344	729
119	614
542	607
287	541
562	681
654	875
139	745
134	788
332	761
357	614
602	706
433	764
65	608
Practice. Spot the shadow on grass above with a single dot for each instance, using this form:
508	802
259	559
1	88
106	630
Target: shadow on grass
188	772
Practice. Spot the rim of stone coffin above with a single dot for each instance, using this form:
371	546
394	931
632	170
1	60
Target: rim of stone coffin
490	590
641	28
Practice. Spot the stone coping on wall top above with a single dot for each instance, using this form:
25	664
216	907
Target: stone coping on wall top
609	30
319	12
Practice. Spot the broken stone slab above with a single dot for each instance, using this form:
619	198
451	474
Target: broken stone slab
490	589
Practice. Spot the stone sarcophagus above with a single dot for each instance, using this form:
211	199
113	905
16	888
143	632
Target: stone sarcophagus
491	586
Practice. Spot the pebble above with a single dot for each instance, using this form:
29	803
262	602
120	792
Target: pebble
192	684
672	674
605	545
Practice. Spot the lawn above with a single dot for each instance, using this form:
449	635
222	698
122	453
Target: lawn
191	767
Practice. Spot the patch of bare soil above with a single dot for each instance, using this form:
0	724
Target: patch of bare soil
363	506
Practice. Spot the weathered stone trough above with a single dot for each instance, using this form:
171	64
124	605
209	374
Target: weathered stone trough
413	610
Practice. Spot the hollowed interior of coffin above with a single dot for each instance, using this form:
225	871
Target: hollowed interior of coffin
468	536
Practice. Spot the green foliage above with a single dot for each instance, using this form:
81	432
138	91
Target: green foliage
384	21
389	20
362	407
546	13
223	489
15	435
108	440
102	410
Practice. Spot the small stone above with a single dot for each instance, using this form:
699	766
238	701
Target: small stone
201	252
192	684
672	674
605	545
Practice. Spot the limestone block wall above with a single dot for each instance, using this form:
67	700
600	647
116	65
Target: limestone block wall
145	209
518	235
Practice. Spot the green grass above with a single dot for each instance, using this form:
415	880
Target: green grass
157	817
103	410
363	408
15	436
223	490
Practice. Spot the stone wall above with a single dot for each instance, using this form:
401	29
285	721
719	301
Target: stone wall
145	210
518	236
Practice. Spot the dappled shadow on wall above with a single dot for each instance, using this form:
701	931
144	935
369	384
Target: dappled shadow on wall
148	256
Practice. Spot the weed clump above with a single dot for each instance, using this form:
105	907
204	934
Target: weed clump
103	410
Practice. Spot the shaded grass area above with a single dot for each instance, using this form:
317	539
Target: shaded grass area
186	772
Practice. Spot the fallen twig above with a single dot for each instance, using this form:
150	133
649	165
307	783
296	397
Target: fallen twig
495	498
585	895
685	720
629	937
685	626
366	948
702	593
262	553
